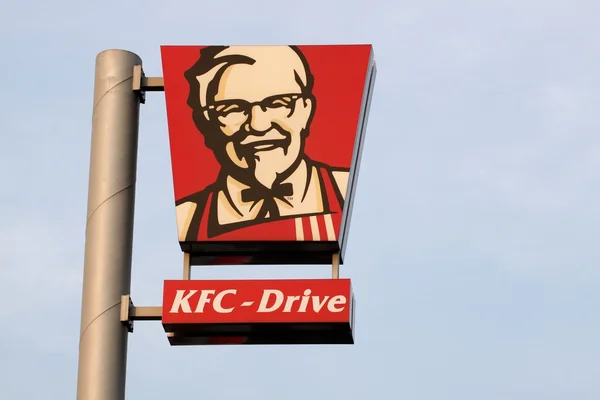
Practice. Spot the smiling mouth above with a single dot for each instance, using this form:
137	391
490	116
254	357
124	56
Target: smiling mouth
265	145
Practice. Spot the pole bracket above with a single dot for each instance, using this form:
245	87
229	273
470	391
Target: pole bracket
143	84
130	313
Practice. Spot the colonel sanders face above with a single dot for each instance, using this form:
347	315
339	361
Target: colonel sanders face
256	107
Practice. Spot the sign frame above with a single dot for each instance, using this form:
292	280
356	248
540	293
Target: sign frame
200	324
227	251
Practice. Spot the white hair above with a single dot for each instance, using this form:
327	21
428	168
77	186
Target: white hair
277	56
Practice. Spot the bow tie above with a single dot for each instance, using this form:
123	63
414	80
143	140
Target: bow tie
262	193
268	196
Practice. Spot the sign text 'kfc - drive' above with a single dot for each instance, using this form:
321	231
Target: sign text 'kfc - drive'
259	311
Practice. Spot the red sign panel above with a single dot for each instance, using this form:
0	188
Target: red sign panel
265	147
258	311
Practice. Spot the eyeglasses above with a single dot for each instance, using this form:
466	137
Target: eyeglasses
236	112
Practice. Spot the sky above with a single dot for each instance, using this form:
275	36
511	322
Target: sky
473	250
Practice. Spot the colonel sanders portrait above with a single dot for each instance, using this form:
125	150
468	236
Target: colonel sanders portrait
254	105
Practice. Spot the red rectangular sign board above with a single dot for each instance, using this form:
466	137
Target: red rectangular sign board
310	311
265	148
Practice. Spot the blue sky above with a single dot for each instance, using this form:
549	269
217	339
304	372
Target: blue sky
473	251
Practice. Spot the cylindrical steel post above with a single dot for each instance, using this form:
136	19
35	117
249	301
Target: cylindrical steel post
109	228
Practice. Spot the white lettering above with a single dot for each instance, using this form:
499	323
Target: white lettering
304	301
336	300
219	298
290	302
265	300
182	302
203	300
272	300
316	305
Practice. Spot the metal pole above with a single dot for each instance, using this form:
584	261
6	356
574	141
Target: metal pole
109	229
187	269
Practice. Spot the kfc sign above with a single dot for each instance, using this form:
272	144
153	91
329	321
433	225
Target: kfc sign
260	311
265	148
